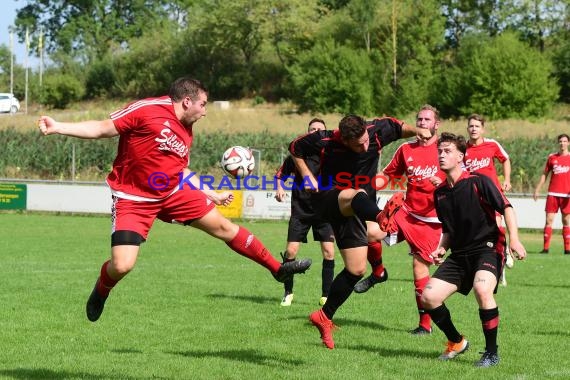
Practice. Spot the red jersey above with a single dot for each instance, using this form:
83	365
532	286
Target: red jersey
418	163
481	158
560	178
153	149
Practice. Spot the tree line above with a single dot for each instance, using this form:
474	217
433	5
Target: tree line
508	58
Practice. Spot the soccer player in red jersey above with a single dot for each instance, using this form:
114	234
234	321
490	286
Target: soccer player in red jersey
303	218
153	155
349	161
466	205
558	198
480	158
416	221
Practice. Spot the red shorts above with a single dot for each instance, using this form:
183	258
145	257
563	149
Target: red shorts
183	206
422	237
553	204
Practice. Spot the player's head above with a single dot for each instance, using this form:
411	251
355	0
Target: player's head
563	141
316	124
428	118
475	126
353	133
451	149
191	97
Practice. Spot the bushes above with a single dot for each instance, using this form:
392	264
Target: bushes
331	78
61	90
501	78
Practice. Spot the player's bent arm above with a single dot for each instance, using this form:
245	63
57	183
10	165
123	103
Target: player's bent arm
92	129
305	171
409	130
507	175
512	227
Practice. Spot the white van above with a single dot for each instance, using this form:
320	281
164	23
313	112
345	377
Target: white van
8	103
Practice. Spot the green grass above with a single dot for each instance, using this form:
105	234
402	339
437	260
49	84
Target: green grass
192	309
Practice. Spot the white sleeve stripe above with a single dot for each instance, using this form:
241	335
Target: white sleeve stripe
136	105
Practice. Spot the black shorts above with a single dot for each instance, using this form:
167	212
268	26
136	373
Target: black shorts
299	228
350	232
460	270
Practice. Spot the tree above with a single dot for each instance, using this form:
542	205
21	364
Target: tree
500	77
332	78
88	29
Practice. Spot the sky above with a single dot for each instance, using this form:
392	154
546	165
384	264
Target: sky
7	18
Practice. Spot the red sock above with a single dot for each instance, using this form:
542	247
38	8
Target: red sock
547	236
375	258
105	283
566	237
246	244
425	320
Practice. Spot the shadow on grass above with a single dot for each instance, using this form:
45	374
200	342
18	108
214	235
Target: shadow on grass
395	353
126	351
45	373
553	333
250	356
340	322
253	299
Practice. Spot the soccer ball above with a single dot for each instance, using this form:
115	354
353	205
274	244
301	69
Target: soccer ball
238	161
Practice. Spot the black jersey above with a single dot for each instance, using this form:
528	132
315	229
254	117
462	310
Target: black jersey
339	165
300	199
467	212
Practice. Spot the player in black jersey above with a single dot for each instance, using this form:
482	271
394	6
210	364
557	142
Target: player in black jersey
342	195
466	205
303	218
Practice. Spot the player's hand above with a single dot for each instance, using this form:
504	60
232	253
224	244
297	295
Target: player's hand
507	186
46	125
435	180
518	249
224	198
280	195
535	196
423	134
438	255
310	184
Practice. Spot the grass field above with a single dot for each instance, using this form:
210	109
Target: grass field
192	309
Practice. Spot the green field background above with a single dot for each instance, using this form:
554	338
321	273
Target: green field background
192	309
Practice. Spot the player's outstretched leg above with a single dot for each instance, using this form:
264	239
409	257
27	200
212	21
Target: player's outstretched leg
286	270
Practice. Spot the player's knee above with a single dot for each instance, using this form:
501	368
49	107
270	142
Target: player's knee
428	300
483	294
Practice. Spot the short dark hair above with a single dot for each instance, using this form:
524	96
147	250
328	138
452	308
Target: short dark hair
457	140
351	127
562	135
476	116
186	86
317	120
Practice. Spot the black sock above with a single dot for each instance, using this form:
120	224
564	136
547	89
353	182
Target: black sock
442	318
490	323
364	207
288	284
341	288
327	276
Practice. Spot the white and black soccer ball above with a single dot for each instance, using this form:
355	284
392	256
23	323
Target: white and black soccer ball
238	161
